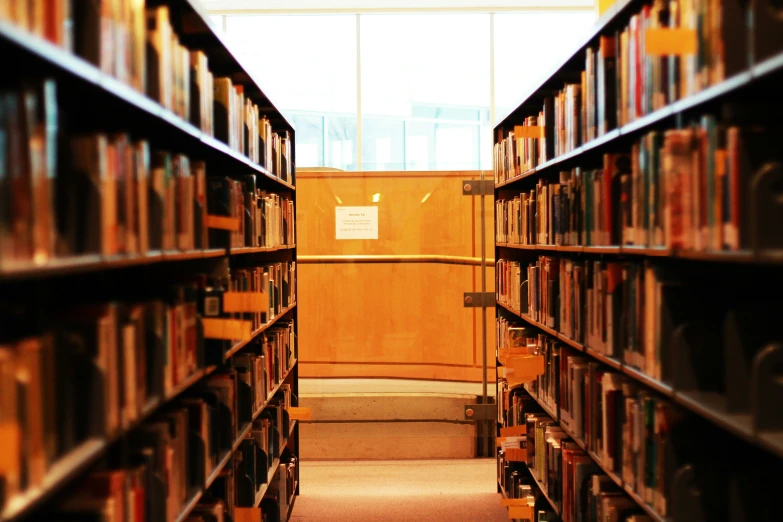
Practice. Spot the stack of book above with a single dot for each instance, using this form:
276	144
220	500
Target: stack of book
177	453
683	189
264	219
571	480
91	193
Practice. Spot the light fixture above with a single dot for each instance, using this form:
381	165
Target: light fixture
376	197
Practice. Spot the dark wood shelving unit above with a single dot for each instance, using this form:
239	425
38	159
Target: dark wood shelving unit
744	80
82	80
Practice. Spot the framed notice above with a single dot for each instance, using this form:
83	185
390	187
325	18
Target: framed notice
356	222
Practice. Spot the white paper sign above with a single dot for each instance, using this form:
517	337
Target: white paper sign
356	222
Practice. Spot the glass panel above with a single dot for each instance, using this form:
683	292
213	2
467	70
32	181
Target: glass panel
383	144
434	84
383	319
312	79
526	50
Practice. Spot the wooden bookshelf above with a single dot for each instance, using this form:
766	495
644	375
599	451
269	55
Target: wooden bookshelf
615	478
116	107
708	390
706	405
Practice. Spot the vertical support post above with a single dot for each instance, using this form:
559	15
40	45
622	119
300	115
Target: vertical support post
487	431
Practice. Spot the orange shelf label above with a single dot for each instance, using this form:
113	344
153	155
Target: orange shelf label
221	222
520	369
528	131
298	413
664	42
514	431
516	455
524	512
227	329
245	302
247	514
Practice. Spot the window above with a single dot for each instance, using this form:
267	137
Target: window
423	94
424	80
307	65
516	68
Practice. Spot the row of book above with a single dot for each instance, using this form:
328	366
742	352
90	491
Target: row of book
652	317
684	189
93	374
96	369
263	219
517	483
624	310
526	146
264	364
107	194
629	429
628	74
276	281
174	455
570	479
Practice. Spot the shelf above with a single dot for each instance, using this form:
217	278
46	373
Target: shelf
707	405
234	349
549	411
647	121
66	468
617	479
257	250
188	507
275	390
552	504
96	262
720	256
293	501
270	474
608	17
78	460
234	447
86	72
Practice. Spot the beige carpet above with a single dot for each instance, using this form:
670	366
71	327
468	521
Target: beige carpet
399	491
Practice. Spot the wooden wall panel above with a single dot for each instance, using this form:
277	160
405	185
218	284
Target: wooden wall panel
394	313
391	319
422	213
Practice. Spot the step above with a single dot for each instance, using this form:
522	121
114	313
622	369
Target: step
383	426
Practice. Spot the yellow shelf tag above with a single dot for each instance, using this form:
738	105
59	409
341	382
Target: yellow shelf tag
245	302
520	512
664	42
227	329
520	369
528	131
221	222
245	514
298	413
514	431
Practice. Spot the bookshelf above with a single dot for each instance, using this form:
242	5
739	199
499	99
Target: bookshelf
637	256
149	348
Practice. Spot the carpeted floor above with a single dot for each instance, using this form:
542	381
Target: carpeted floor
399	491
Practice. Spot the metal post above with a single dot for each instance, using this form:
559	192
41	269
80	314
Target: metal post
487	425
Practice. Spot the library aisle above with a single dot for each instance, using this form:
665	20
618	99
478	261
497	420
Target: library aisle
399	491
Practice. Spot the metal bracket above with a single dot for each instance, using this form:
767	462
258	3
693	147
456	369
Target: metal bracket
478	299
481	412
476	187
